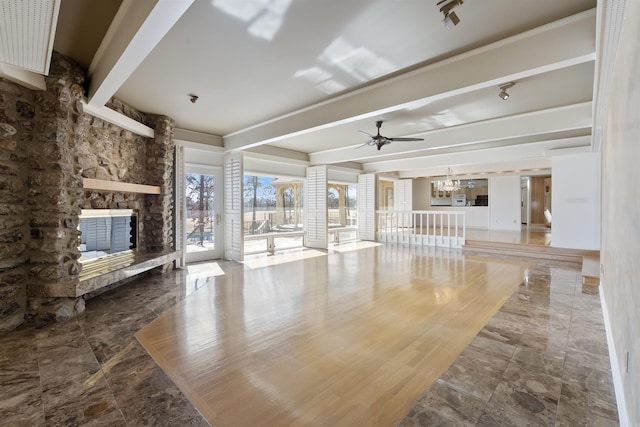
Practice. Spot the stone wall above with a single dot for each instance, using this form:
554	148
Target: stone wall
16	132
47	146
106	151
159	215
55	195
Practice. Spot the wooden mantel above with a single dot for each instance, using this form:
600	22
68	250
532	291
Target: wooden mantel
124	187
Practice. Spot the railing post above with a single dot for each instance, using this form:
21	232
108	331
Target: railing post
441	227
271	247
449	229
427	229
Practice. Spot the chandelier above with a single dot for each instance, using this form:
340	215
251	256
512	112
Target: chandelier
448	185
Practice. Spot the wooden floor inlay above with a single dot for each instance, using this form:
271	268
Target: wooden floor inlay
351	338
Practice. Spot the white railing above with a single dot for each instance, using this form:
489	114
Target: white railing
424	228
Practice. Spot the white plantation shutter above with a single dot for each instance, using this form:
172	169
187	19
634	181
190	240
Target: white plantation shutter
367	206
233	207
403	189
120	233
316	204
180	199
96	233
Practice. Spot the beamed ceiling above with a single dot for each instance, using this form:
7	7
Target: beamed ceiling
300	79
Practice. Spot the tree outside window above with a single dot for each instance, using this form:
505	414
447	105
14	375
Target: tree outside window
199	191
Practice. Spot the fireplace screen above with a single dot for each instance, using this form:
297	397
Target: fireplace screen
106	232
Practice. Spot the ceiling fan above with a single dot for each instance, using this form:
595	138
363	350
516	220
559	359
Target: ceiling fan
380	141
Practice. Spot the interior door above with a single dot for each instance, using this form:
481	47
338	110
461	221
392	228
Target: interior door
203	213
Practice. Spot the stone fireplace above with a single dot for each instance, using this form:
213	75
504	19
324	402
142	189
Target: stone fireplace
106	237
48	148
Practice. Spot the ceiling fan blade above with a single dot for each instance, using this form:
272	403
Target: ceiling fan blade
370	142
367	133
406	139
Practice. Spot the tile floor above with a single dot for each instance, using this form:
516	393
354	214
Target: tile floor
542	360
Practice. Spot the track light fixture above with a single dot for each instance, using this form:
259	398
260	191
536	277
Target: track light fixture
450	19
503	90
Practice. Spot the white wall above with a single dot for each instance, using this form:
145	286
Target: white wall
269	166
200	154
474	216
620	253
504	202
575	201
342	175
421	194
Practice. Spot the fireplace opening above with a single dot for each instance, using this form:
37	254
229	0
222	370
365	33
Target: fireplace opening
107	233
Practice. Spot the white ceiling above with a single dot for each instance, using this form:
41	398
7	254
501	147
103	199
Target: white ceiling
305	76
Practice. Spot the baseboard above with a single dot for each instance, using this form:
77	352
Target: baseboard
615	367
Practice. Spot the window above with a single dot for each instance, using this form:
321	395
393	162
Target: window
272	204
341	204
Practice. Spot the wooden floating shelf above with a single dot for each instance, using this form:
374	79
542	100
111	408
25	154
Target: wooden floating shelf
124	187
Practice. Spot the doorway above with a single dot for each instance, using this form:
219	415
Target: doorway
536	200
525	199
203	213
385	189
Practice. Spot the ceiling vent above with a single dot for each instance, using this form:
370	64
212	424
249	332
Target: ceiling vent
27	30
